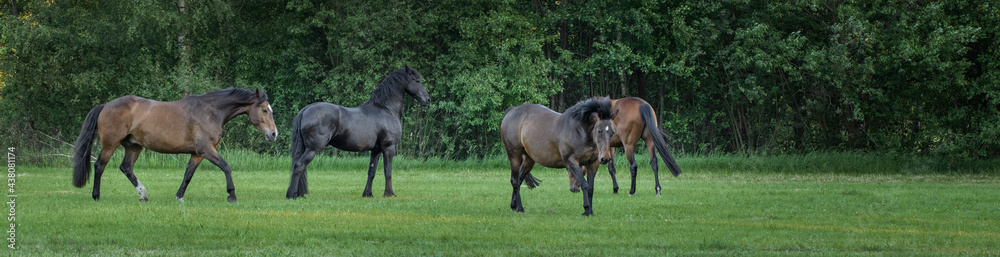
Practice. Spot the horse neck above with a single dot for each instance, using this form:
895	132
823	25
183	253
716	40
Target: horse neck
389	98
571	123
226	112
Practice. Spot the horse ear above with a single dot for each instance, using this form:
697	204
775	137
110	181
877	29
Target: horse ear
615	114
408	70
257	92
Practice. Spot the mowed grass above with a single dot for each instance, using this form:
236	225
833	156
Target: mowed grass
462	208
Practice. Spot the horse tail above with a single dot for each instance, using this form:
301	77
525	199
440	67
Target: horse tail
298	149
81	157
532	181
657	134
298	146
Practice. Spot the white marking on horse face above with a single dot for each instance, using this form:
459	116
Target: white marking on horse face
606	128
269	108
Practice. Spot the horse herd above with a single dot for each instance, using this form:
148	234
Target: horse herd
579	140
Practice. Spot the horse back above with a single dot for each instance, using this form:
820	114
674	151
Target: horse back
166	127
629	126
534	129
350	129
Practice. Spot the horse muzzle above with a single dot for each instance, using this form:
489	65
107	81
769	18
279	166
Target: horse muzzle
605	160
271	136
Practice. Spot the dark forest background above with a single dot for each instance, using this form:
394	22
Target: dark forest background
731	76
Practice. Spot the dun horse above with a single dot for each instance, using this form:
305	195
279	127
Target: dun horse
192	125
578	140
637	121
374	126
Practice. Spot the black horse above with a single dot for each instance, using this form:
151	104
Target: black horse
374	126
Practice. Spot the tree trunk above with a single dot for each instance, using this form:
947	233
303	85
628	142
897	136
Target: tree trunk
564	42
182	45
184	49
621	73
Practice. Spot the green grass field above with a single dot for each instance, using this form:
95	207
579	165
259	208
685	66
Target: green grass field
805	205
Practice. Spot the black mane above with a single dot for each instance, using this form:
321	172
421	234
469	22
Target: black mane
581	110
231	96
390	90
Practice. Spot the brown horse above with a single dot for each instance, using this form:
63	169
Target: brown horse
636	120
577	140
192	125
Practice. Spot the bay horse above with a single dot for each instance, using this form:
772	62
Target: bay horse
637	120
578	140
192	125
373	126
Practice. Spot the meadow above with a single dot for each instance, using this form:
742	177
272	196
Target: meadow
823	204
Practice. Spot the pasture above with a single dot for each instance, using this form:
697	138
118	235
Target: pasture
840	204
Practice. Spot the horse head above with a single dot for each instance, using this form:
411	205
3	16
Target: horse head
262	117
603	129
415	87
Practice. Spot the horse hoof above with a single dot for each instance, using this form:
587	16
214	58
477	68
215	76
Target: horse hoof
389	195
231	199
367	195
616	191
588	214
97	197
180	199
143	199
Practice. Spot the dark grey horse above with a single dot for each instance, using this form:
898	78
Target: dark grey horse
374	126
578	140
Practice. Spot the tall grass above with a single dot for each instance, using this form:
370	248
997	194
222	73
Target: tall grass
842	163
817	162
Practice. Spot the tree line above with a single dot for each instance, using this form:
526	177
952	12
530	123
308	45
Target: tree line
729	76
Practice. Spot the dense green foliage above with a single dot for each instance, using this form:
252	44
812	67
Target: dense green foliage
733	76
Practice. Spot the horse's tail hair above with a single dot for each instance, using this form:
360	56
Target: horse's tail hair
657	134
298	146
532	181
298	149
81	157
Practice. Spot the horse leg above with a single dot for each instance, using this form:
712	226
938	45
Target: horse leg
372	164
612	171
188	174
523	167
388	153
131	154
102	160
574	185
653	164
214	157
591	175
632	167
577	171
297	186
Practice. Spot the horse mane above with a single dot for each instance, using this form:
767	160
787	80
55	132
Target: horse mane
390	89
581	110
231	96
